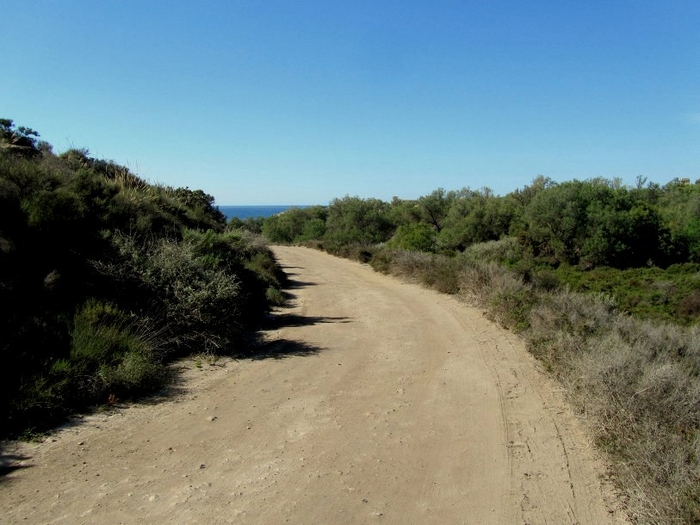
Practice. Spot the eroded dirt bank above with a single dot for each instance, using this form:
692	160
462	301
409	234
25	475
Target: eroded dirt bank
377	402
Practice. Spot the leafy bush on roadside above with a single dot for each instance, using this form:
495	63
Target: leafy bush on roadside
122	276
118	352
112	356
205	291
418	237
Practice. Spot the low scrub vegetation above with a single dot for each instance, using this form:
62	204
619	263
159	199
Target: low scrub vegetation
603	283
105	277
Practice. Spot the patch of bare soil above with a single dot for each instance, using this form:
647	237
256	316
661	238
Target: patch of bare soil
374	401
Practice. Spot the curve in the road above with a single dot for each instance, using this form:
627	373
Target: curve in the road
380	402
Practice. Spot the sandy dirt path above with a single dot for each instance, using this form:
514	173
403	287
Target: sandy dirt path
377	402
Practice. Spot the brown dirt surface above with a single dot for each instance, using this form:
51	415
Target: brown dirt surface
374	401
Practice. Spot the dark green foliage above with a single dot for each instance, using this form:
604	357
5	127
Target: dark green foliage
587	228
109	356
647	293
199	305
104	276
475	217
296	225
353	220
601	235
314	229
144	209
51	227
417	236
251	224
405	212
679	207
434	208
108	346
205	291
200	209
594	223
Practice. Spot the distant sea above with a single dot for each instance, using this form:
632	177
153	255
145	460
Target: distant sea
244	212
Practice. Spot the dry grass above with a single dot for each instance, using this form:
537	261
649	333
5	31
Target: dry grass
635	381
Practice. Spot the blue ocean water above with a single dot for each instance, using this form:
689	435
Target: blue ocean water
244	212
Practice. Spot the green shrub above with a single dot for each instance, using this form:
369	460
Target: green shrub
355	221
313	229
647	293
296	225
418	236
545	280
476	217
199	305
595	223
275	297
250	224
110	355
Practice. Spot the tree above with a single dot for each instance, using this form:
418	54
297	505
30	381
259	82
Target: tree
434	207
202	208
356	220
477	216
593	223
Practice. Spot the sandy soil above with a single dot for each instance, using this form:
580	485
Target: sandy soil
376	402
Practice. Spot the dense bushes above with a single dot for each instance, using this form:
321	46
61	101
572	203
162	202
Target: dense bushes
294	225
575	230
354	220
588	224
104	277
417	236
594	223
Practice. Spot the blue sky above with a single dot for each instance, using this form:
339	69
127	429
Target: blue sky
298	102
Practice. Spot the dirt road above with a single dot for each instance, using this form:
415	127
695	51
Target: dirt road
377	402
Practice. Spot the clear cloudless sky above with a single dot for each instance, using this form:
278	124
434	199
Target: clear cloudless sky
301	101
